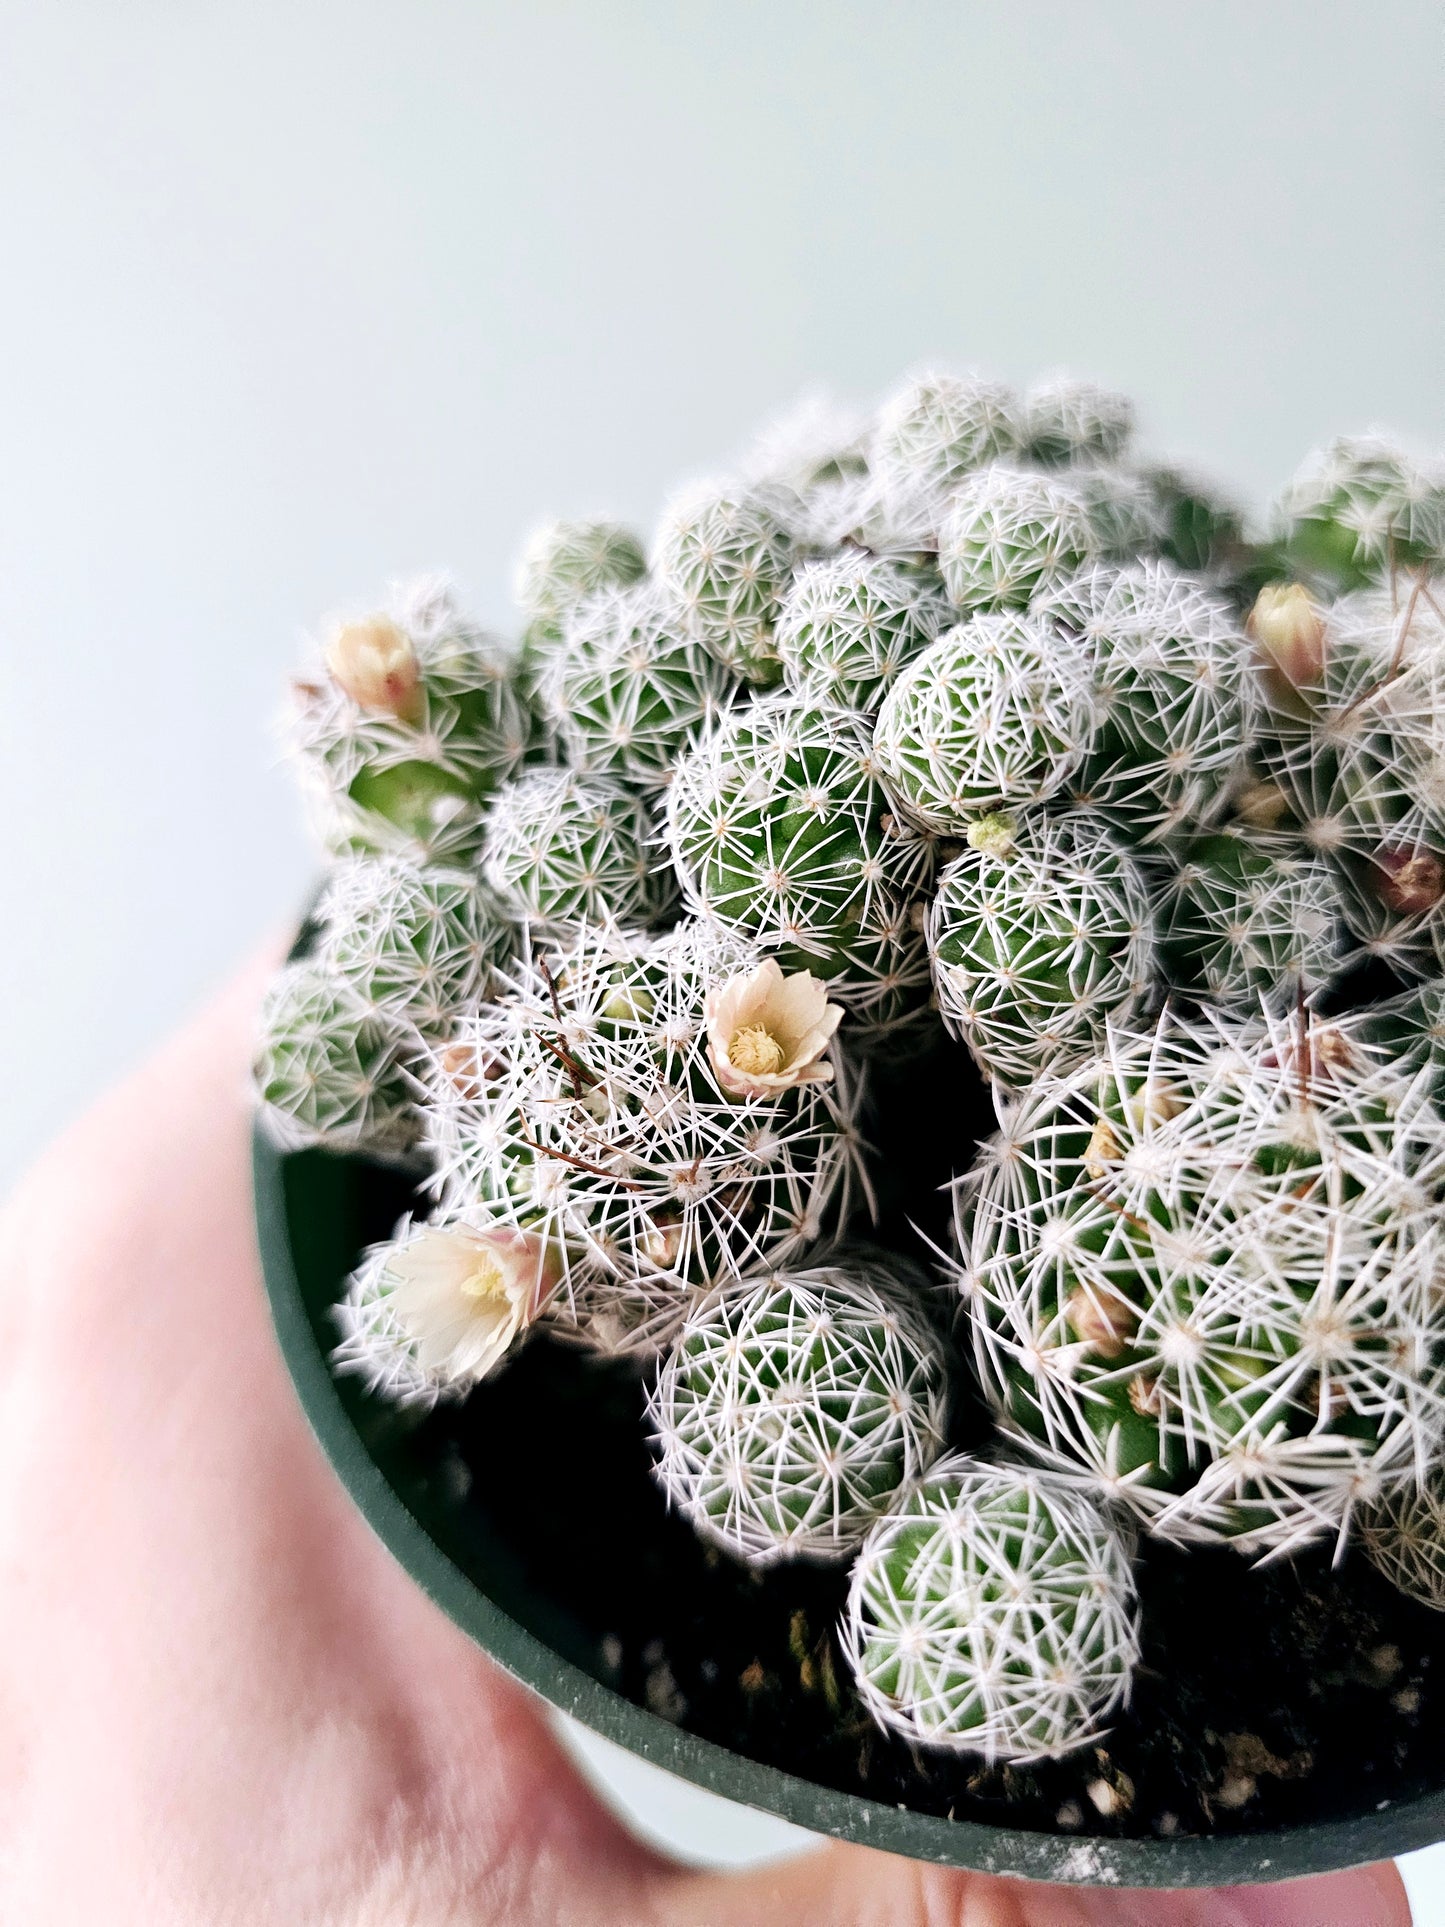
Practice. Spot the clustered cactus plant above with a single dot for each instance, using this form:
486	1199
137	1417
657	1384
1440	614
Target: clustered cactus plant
968	711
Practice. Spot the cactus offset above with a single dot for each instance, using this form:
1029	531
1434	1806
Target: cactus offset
794	1409
1245	914
850	624
1009	533
998	713
329	1070
587	1104
1175	696
413	723
414	945
724	561
629	690
1040	933
994	1612
779	829
563	849
1067	421
1360	509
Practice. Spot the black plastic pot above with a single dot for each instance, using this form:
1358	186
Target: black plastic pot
314	1213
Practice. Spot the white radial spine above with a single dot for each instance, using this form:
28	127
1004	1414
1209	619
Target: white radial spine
1039	935
1201	1269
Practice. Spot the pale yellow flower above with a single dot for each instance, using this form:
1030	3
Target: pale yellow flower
464	1295
768	1032
374	663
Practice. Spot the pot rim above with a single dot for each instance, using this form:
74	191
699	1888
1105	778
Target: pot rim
1215	1860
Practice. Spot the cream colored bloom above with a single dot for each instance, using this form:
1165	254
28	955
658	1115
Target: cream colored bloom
1289	628
767	1032
374	663
463	1296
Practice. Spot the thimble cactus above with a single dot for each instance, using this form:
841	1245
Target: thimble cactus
563	563
1245	914
938	428
435	1310
1360	509
724	561
1203	1269
1120	511
1403	1533
794	1409
594	1105
1008	533
414	945
413	722
328	1069
628	689
779	830
1174	691
1067	421
1041	931
561	566
994	1611
1355	739
564	849
998	713
962	716
849	624
815	443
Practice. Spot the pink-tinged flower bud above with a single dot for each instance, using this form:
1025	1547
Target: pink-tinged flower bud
1106	1326
463	1295
1144	1394
1262	805
767	1032
1288	628
373	662
1409	880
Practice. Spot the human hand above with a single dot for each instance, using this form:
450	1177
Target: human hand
220	1700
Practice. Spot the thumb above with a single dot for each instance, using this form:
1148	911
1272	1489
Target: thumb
845	1886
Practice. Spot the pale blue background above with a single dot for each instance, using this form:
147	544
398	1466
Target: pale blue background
299	296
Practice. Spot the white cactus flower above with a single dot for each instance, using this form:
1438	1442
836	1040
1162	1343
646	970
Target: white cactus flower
768	1031
462	1296
1288	627
432	1313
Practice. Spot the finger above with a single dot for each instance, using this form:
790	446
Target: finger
856	1887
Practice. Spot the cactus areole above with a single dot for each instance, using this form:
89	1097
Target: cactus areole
849	1161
